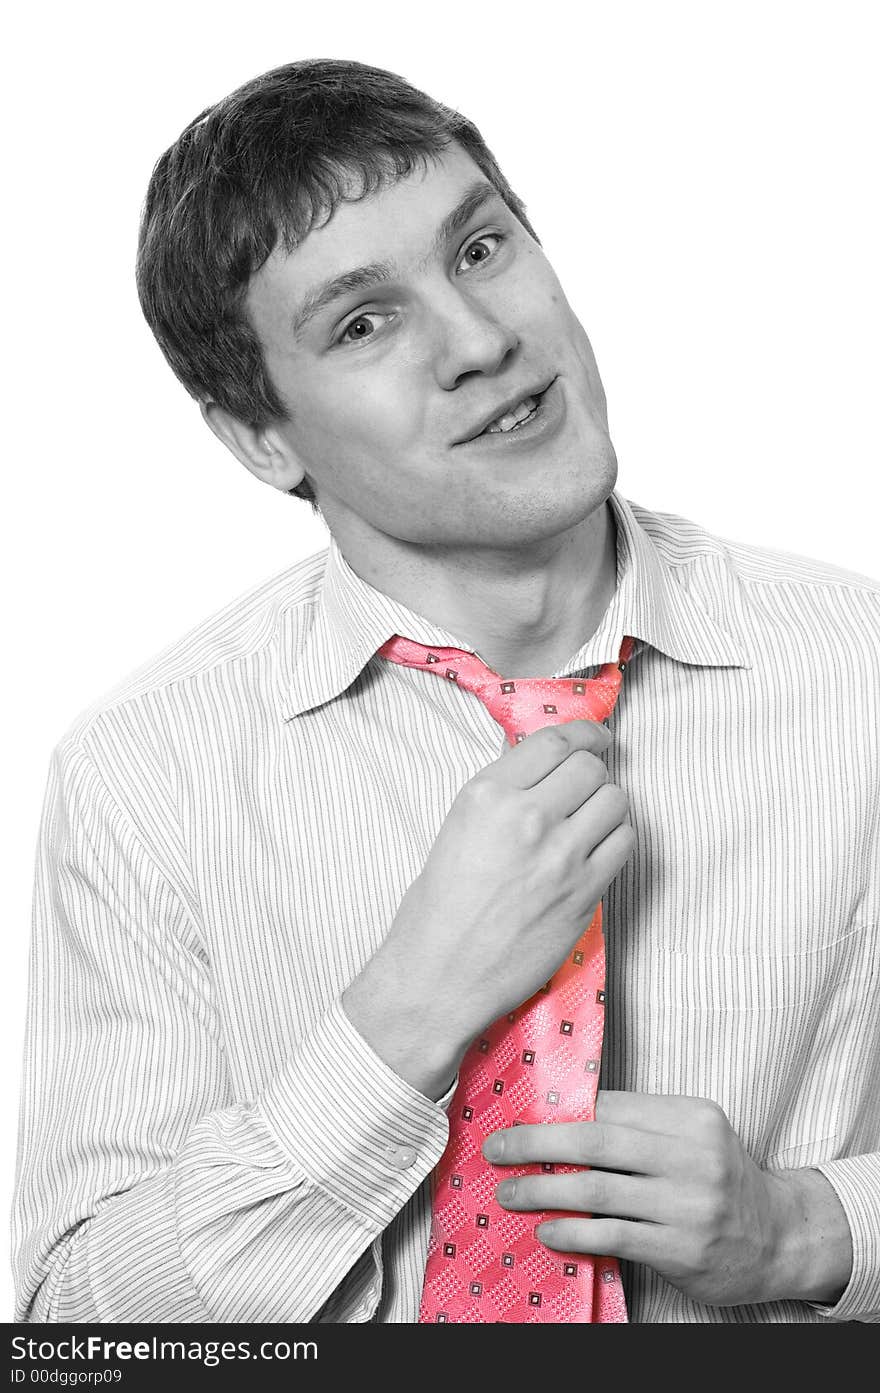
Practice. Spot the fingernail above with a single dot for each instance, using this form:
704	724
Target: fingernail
493	1148
506	1191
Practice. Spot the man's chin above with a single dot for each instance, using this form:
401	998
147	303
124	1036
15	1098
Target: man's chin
587	460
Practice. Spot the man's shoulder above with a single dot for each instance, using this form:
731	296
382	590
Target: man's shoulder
682	541
235	635
772	584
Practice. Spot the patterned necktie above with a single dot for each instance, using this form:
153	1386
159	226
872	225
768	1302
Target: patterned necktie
540	1063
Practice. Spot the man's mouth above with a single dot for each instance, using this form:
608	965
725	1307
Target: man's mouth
536	416
514	418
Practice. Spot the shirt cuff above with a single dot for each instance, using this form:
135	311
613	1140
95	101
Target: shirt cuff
358	1130
448	1096
856	1182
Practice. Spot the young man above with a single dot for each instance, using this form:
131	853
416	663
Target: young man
283	883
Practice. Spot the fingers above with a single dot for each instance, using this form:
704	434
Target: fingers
562	771
602	859
606	1145
590	1192
652	1244
526	764
604	814
567	787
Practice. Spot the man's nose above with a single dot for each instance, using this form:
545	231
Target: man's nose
470	339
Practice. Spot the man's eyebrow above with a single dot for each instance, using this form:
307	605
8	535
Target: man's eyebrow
365	277
471	202
361	278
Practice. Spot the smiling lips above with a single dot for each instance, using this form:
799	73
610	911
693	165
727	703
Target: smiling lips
513	418
512	415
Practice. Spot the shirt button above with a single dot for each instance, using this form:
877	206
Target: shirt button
401	1157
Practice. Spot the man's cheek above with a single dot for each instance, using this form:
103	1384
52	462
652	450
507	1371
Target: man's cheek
397	420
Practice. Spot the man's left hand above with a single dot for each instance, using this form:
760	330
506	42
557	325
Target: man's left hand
673	1187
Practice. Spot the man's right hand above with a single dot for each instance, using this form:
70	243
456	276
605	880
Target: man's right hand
523	857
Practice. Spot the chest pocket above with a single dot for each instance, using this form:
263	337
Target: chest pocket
785	1043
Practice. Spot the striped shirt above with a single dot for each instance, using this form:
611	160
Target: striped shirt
226	839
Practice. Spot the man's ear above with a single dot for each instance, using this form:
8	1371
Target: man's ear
264	451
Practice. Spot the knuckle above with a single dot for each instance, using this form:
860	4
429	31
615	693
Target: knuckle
703	1212
598	1142
597	735
613	803
555	737
477	794
711	1117
618	800
531	824
627	840
616	1237
558	861
591	766
596	1188
715	1172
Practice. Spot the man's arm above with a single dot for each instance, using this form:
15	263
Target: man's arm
145	1191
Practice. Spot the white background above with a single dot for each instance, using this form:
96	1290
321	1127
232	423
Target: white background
703	175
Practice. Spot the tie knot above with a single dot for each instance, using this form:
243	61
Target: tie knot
520	705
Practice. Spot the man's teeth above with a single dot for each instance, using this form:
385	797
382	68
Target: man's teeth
511	419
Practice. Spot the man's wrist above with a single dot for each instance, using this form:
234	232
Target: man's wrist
401	1039
812	1254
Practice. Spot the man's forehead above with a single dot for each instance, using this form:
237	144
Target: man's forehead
393	223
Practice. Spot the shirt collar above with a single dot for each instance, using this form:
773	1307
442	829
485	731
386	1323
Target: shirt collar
652	602
676	592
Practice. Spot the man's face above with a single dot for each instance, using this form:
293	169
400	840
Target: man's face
398	333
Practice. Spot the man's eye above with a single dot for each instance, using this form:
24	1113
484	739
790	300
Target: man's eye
364	327
480	250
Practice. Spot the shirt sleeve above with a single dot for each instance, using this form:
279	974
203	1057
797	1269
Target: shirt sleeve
856	1182
145	1191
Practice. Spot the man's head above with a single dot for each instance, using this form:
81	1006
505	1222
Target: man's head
337	269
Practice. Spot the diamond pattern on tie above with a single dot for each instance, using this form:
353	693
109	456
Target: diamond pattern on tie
539	1063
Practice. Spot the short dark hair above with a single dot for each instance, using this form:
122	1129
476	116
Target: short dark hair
263	166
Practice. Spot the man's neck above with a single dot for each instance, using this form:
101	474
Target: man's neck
525	613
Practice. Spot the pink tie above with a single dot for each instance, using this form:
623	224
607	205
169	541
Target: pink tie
540	1063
